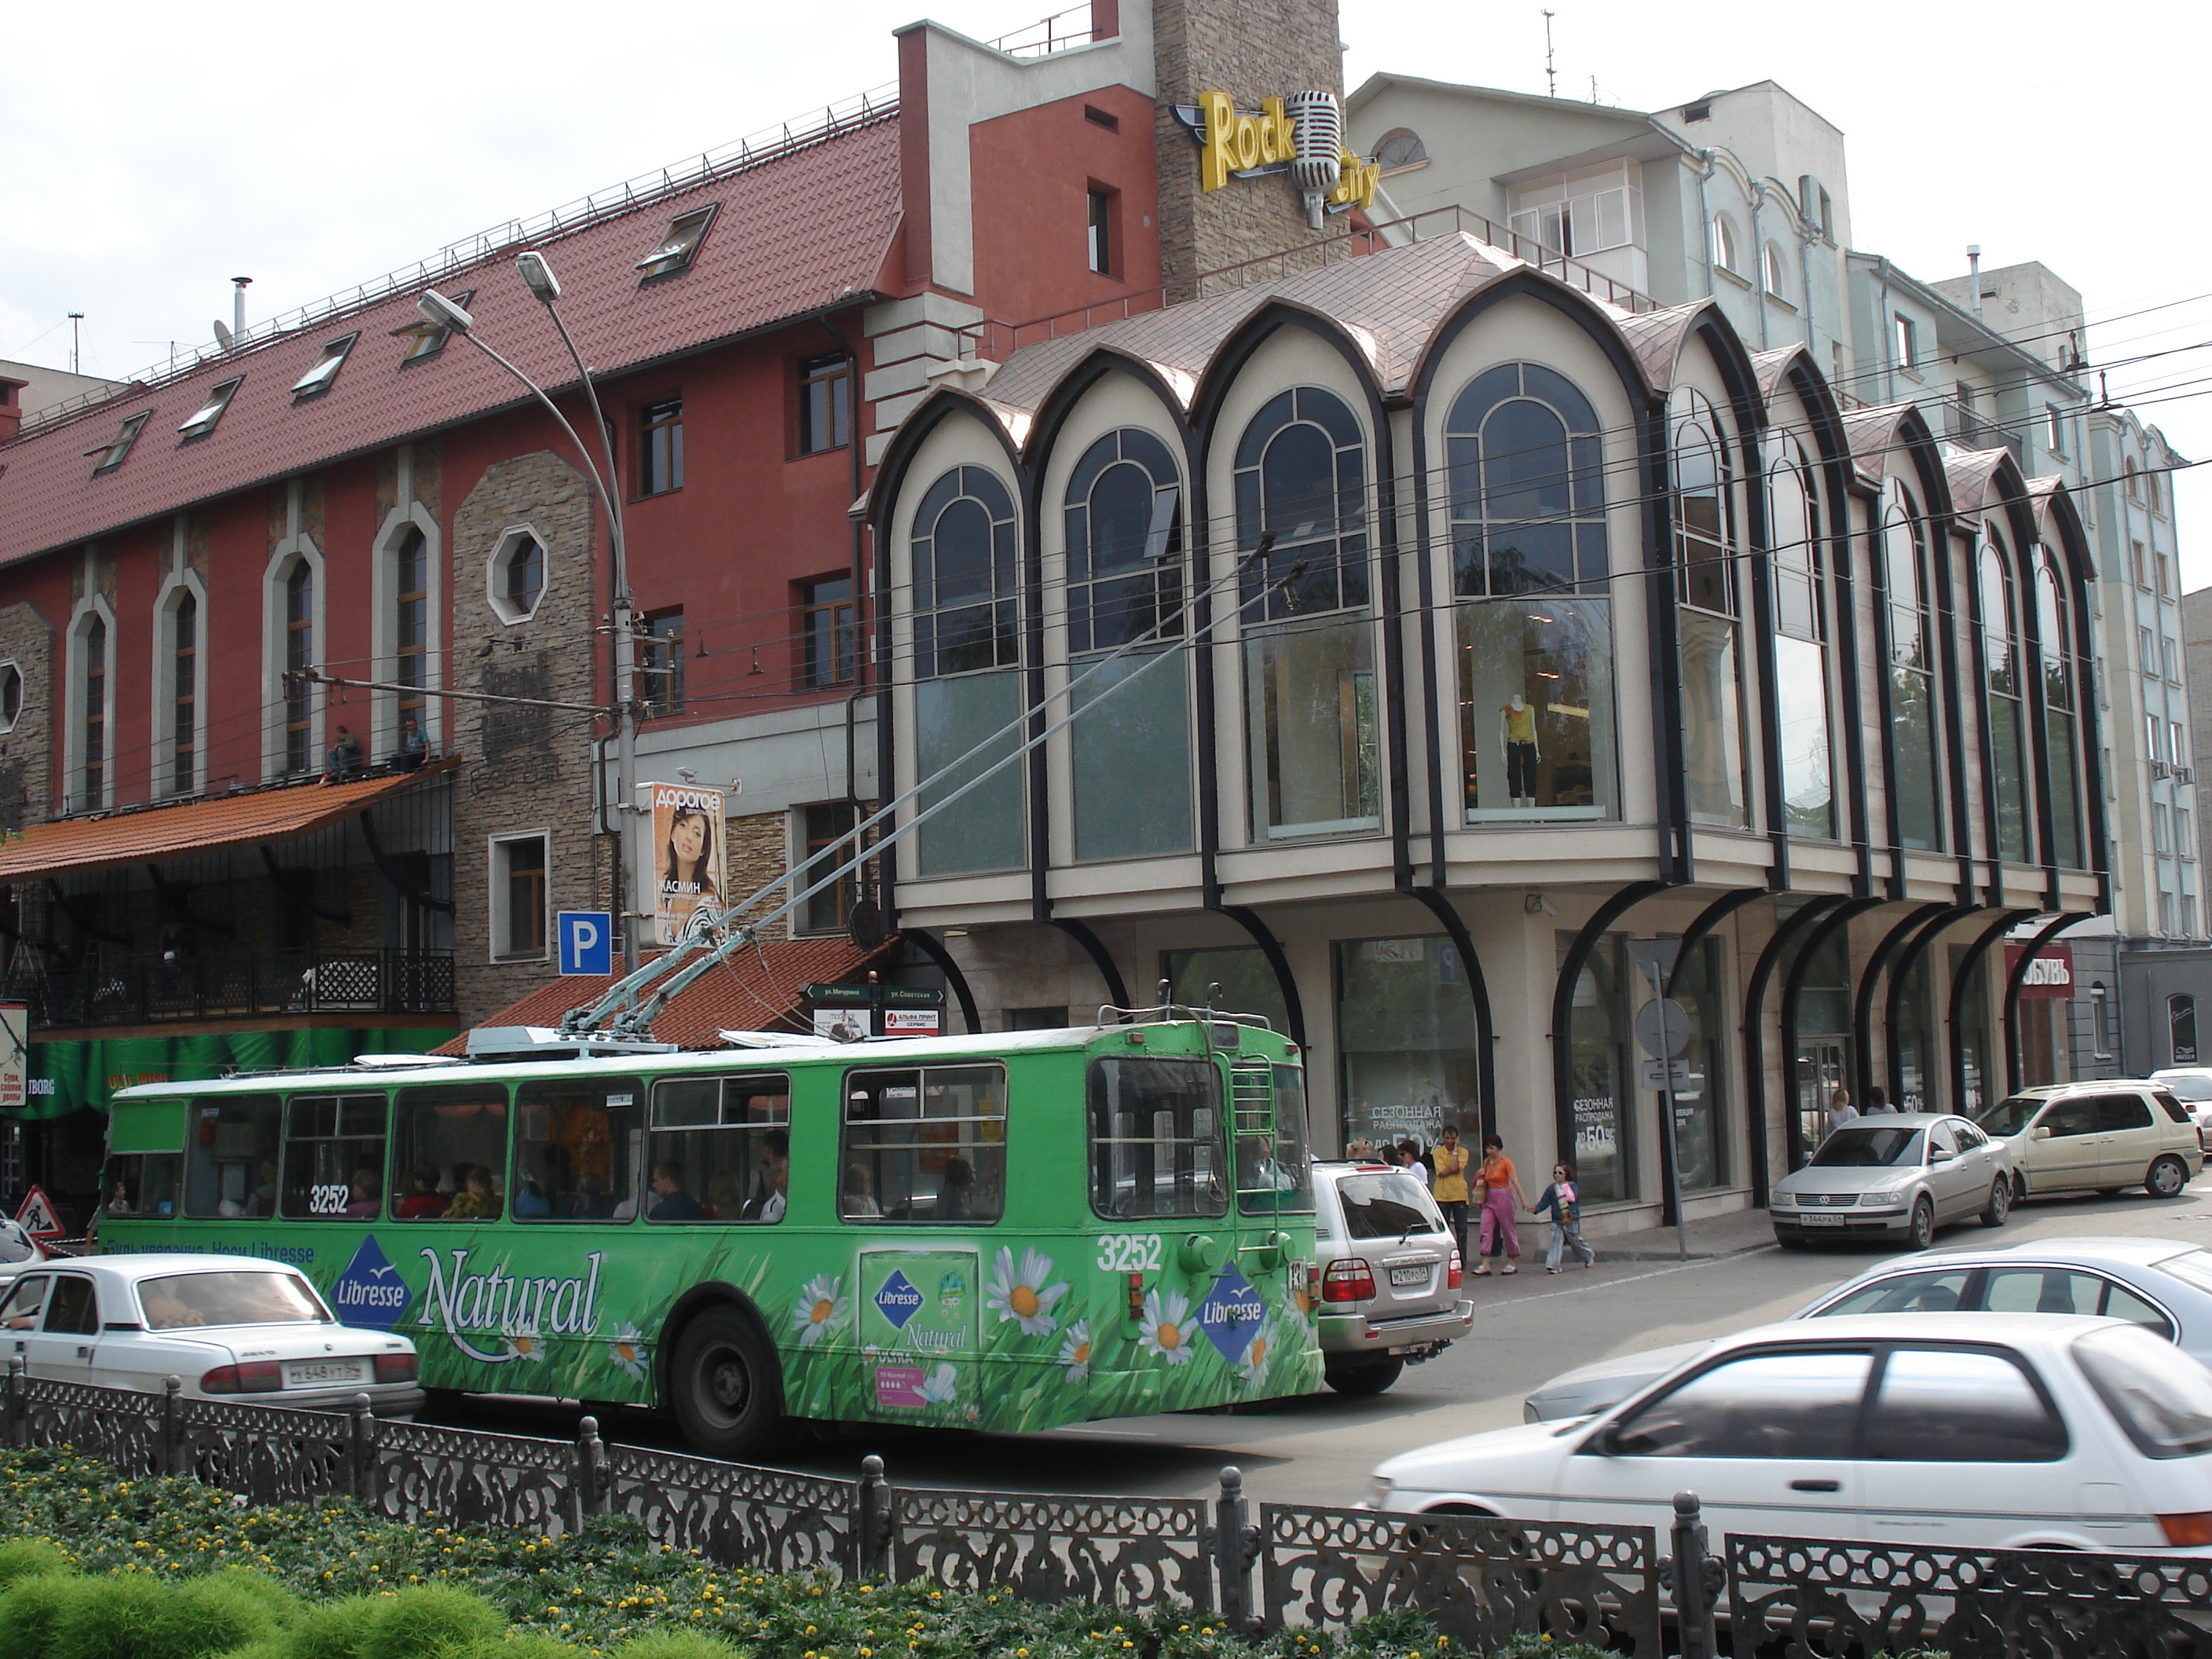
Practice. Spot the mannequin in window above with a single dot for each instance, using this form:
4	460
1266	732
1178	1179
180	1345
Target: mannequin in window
1517	724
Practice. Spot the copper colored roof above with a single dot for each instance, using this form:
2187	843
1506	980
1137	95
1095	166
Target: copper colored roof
75	846
756	990
805	231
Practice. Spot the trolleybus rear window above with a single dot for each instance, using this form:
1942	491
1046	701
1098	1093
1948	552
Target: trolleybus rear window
719	1148
1155	1147
577	1145
230	1157
333	1157
1278	1178
926	1144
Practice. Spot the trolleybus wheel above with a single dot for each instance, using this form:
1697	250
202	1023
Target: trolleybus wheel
725	1385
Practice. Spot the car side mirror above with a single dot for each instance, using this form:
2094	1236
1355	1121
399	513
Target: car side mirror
2041	1132
1606	1441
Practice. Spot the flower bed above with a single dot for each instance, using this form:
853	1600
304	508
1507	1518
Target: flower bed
105	1568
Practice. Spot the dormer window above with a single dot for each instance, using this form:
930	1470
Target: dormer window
117	450
679	246
318	379
1400	151
209	412
429	339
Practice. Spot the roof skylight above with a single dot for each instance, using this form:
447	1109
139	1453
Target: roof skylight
317	380
211	411
117	450
677	248
428	338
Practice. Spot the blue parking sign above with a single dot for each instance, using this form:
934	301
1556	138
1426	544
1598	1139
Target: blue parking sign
588	941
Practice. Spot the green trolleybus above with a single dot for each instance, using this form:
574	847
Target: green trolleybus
1007	1231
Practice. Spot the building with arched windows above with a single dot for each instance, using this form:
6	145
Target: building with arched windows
1420	646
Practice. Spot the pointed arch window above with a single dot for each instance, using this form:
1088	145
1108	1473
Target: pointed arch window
299	655
92	740
184	693
410	632
1311	713
1800	643
2004	688
2054	627
1917	785
964	576
1131	764
1530	567
1707	625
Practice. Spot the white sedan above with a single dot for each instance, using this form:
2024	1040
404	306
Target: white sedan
227	1327
1975	1430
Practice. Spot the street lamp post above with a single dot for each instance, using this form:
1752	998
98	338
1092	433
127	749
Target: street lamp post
538	277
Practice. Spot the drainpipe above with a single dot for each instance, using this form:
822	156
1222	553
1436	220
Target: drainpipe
1759	254
1884	323
1806	236
1705	217
1974	275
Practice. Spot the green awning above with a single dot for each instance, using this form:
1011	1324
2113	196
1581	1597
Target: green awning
66	1076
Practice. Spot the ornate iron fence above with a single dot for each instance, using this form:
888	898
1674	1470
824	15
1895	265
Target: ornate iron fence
1481	1581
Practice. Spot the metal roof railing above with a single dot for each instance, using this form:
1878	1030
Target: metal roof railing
769	144
1047	35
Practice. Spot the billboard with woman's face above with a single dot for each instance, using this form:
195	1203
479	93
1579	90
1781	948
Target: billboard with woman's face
687	859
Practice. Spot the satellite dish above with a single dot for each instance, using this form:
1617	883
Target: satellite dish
864	925
223	335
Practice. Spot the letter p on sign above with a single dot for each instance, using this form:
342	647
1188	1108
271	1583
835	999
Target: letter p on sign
588	941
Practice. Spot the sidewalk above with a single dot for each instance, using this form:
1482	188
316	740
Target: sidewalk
1738	1233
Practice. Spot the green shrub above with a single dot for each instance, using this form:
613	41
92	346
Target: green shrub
678	1644
430	1621
136	1616
32	1610
1525	1646
27	1557
334	1630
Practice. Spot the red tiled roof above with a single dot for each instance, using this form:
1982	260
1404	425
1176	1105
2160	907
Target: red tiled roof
73	846
805	230
756	990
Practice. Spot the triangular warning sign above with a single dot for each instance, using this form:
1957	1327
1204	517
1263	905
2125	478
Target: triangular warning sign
37	1217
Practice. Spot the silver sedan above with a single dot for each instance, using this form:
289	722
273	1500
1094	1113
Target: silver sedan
1898	1174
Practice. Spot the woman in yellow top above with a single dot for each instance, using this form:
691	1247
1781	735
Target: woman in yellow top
1451	1185
1501	1191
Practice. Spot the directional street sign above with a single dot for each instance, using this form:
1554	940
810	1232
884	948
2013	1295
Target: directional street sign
588	941
1662	1027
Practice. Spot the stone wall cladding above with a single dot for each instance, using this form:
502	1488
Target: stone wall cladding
26	752
758	851
524	768
1251	50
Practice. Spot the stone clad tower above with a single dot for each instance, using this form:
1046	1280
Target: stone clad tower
1252	49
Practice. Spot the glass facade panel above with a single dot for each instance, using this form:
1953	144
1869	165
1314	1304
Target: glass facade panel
1918	1088
1712	718
1311	720
1598	1038
987	827
1406	1040
1978	1063
1131	760
1536	710
1917	783
1701	1138
1807	773
1248	983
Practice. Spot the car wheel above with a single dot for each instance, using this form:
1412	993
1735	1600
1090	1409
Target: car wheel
725	1385
1921	1231
2000	1204
2167	1177
1360	1382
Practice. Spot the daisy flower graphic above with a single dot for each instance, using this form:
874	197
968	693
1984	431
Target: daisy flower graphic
1075	1352
939	1387
820	1311
1166	1332
1253	1365
1025	1297
525	1345
627	1349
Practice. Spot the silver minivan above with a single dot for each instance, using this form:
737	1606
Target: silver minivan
1390	1275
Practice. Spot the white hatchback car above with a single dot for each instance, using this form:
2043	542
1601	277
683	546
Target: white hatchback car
1978	1431
227	1327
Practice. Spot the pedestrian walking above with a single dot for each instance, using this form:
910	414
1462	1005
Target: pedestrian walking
1564	1204
1840	1109
1450	1188
1877	1103
1501	1191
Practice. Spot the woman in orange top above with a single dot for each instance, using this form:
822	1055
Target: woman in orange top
1501	1191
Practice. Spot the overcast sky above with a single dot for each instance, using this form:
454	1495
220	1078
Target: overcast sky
156	151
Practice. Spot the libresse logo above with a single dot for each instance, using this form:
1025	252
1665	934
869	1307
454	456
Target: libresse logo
1232	1314
898	1301
369	1293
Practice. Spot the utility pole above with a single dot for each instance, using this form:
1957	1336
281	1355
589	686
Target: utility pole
1551	74
76	340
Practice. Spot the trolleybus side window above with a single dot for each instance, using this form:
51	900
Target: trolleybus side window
1156	1145
449	1154
140	1183
334	1157
230	1156
577	1145
926	1144
719	1148
1280	1177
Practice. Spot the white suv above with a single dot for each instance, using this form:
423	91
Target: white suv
2100	1136
1391	1290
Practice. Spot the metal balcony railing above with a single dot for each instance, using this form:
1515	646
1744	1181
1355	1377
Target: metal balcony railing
154	990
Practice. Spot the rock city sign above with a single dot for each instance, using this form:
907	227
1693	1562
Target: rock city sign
1301	134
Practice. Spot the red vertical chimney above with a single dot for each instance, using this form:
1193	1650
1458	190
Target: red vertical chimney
11	407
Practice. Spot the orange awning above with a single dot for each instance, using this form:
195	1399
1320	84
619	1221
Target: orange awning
156	834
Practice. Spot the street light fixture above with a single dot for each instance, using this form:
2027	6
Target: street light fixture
538	277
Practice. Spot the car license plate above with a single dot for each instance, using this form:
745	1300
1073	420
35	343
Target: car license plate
1820	1220
308	1373
1402	1276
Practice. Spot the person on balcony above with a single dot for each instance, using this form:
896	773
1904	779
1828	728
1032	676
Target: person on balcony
345	757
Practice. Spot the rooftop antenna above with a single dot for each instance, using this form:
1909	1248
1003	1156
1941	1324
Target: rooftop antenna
77	339
1593	88
1551	74
238	287
1974	273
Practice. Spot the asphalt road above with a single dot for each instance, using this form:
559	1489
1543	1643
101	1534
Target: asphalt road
1319	1449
